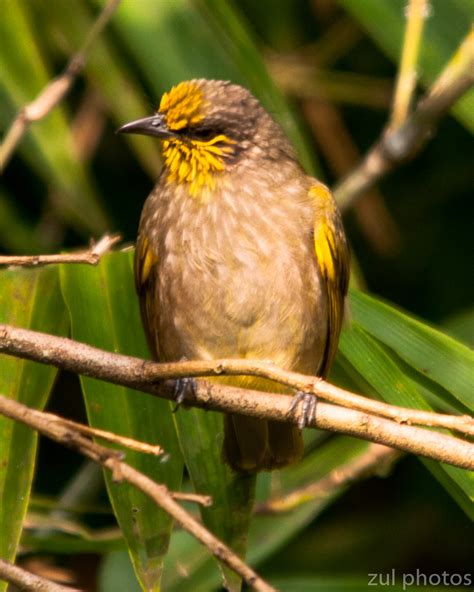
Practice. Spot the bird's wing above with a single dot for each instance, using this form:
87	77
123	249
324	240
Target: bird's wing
145	283
333	257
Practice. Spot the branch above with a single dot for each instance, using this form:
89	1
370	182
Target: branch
55	91
397	146
91	256
90	361
148	377
364	465
416	12
85	430
25	580
121	471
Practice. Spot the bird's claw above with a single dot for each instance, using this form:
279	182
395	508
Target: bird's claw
307	413
184	388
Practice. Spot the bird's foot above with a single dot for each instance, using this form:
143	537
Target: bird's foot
185	388
306	414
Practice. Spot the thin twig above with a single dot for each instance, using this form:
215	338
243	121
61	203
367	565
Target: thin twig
416	13
129	443
366	464
43	523
397	146
25	580
148	376
203	500
55	91
91	256
122	471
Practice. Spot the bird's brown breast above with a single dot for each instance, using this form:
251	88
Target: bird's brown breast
236	276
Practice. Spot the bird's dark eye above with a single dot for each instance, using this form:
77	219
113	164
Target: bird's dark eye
205	133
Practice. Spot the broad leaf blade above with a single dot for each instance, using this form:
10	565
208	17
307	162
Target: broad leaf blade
201	435
104	312
380	368
29	298
432	353
267	533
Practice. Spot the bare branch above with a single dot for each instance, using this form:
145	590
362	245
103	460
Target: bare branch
55	91
203	500
25	580
129	443
91	256
397	146
148	377
366	464
121	471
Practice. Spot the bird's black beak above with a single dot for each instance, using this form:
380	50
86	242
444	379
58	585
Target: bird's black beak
148	126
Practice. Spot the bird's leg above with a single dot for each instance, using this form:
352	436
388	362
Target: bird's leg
185	388
307	413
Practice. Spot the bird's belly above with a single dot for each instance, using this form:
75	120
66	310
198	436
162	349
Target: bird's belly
242	308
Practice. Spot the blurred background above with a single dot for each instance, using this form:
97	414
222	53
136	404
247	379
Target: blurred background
326	70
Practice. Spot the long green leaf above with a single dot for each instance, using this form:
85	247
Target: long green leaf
432	353
29	299
108	73
379	367
201	435
104	312
48	146
267	533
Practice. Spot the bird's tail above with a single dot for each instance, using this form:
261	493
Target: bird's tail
252	445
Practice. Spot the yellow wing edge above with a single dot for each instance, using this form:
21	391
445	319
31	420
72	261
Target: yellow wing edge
333	257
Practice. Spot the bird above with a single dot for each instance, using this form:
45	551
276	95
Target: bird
240	254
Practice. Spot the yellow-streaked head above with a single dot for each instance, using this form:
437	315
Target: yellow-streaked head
207	126
183	106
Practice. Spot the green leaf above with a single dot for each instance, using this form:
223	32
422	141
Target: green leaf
435	355
380	368
51	541
201	436
29	298
107	72
461	326
445	28
104	312
48	145
267	533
